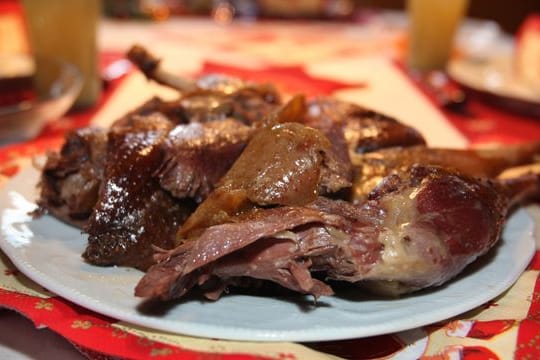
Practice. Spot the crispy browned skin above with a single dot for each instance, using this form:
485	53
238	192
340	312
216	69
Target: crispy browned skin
287	164
364	130
197	155
133	211
371	167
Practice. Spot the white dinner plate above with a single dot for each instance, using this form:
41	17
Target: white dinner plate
494	79
49	252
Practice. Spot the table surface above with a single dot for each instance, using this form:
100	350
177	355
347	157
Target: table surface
353	61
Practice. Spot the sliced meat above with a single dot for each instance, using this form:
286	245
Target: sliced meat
198	155
133	212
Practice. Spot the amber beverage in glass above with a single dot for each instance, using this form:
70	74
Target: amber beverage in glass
432	27
67	30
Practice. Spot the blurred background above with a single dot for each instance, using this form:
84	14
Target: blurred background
507	15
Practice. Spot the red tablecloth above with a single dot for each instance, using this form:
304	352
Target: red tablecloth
491	332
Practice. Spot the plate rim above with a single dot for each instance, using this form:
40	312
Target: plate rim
504	100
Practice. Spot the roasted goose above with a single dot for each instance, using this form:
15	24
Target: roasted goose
201	135
229	186
418	227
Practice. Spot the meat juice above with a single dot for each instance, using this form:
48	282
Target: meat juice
67	30
432	26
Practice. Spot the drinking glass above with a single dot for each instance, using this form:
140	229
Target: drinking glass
432	26
67	30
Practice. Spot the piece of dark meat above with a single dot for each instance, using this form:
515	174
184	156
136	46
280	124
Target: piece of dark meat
133	211
197	156
287	164
353	129
70	178
148	161
249	104
371	167
172	110
364	130
419	228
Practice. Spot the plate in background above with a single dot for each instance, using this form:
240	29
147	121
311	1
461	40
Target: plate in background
493	80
